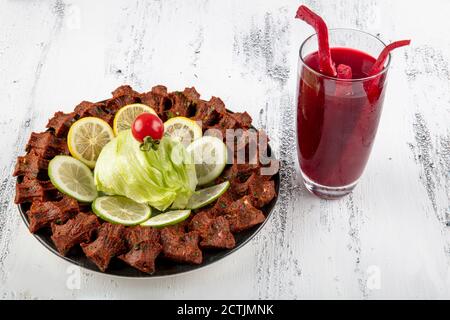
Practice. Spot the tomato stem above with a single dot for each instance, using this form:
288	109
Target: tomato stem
149	144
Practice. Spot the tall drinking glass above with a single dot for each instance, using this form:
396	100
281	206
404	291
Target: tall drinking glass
337	119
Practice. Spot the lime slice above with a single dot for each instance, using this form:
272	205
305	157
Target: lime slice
167	218
127	114
210	157
72	177
183	129
121	210
206	196
87	137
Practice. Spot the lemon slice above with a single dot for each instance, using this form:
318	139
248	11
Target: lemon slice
121	210
72	177
183	129
167	218
210	156
127	114
87	137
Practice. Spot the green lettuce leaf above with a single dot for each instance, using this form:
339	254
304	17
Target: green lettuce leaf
162	178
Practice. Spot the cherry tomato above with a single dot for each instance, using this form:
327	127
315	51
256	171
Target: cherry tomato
147	125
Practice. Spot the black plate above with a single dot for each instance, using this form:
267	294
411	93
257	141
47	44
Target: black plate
163	267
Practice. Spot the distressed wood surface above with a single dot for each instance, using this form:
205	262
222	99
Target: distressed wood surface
388	239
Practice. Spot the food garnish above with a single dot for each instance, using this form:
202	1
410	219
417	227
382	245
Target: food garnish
126	115
161	178
210	156
203	197
326	63
372	86
167	218
87	137
379	64
148	129
344	72
72	177
183	129
121	210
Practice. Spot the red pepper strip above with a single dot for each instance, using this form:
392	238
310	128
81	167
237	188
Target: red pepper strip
326	64
344	72
344	88
379	64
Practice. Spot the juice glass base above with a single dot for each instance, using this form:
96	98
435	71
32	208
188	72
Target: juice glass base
326	192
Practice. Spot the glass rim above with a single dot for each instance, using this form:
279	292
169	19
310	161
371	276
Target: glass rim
318	73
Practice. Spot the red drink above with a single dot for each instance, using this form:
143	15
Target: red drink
337	119
340	97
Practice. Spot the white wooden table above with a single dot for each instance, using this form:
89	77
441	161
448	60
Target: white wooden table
388	239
